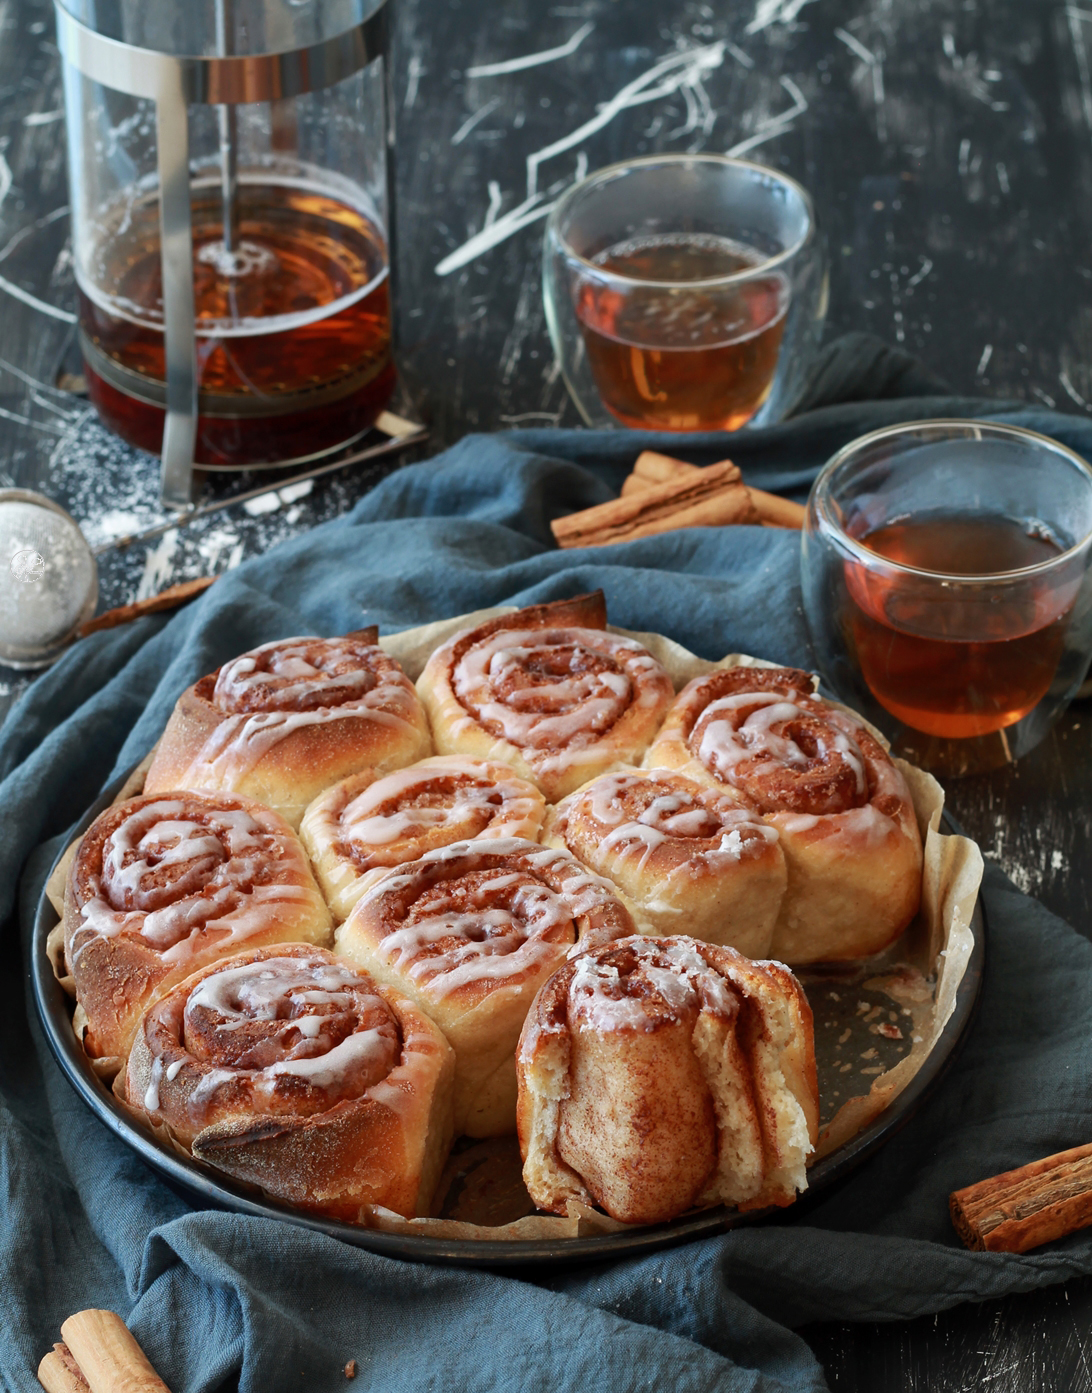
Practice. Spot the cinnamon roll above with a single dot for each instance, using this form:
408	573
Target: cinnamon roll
290	1069
470	933
841	808
683	856
547	690
365	824
657	1075
290	718
162	886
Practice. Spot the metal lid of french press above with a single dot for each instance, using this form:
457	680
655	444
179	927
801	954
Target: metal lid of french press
49	582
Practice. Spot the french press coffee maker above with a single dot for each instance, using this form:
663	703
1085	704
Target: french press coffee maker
227	163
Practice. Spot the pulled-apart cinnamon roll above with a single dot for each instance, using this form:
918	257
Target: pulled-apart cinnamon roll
290	718
470	933
684	857
661	1074
547	690
162	886
841	808
292	1070
364	824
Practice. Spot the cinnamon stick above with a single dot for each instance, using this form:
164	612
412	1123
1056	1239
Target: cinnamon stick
653	468
108	1356
707	498
1024	1208
171	598
776	511
59	1373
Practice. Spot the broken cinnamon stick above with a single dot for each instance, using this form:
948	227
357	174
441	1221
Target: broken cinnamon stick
171	598
59	1373
108	1355
707	498
653	468
1024	1208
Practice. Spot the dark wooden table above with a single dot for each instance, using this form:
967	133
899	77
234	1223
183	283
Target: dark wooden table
948	145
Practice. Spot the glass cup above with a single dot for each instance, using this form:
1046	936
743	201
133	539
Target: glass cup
946	580
684	293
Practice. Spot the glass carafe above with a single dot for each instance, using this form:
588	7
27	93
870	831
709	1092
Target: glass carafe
227	162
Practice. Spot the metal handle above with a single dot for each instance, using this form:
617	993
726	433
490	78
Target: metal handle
179	311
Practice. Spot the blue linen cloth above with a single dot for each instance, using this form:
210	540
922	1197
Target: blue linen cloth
217	1297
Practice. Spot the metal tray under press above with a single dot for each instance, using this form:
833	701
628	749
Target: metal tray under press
211	1191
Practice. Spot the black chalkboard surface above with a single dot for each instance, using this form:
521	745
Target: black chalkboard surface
948	147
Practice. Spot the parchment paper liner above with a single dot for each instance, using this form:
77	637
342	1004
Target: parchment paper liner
917	978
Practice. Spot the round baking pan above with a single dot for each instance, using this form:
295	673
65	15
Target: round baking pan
209	1190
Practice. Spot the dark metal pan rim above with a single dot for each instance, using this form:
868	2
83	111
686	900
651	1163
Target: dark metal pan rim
199	1184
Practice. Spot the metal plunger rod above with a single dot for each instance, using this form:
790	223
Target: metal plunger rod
228	132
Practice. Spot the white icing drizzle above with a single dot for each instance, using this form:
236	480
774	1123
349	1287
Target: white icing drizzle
491	942
467	796
294	684
332	1031
288	672
679	977
512	923
727	739
706	829
539	688
207	864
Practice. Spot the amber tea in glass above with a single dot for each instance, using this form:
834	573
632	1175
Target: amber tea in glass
684	293
673	356
932	676
946	586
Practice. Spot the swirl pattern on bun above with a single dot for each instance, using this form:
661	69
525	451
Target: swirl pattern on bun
290	1069
162	886
365	825
290	718
814	772
548	691
470	933
683	856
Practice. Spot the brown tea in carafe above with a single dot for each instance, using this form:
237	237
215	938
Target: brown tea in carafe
293	325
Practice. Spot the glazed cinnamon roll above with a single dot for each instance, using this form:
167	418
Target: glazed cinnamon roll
657	1075
470	933
547	690
683	856
365	824
290	718
162	886
841	808
290	1069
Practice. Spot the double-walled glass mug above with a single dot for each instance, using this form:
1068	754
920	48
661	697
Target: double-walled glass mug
227	169
947	587
684	293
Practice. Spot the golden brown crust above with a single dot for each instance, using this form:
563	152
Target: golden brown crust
842	810
366	824
547	691
288	1068
683	856
161	886
286	720
661	1074
470	933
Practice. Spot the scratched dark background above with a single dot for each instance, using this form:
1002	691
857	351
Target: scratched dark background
948	146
